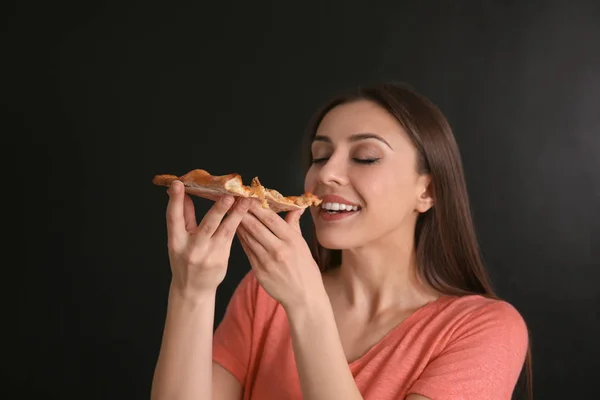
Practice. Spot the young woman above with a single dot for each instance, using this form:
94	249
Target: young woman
392	302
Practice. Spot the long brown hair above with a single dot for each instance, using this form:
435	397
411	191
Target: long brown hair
447	250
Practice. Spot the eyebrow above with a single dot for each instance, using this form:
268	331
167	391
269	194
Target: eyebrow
354	138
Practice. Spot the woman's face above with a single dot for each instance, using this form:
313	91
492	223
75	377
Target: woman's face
364	168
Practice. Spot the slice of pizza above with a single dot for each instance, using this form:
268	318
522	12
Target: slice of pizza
202	184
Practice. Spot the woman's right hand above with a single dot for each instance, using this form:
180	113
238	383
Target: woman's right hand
199	253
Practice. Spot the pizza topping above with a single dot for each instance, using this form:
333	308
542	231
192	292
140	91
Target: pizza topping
202	184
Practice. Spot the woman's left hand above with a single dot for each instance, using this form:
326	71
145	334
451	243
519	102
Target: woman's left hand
280	257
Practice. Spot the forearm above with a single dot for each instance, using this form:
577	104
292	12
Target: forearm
184	367
322	366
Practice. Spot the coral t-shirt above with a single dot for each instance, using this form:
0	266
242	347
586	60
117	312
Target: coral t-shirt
467	347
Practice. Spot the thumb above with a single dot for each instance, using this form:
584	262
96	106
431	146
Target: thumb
293	218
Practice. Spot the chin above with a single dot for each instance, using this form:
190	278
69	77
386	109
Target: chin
336	235
336	240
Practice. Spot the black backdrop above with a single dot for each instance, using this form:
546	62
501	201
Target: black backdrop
101	96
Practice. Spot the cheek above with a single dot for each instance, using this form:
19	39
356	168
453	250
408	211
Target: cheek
386	190
310	181
374	185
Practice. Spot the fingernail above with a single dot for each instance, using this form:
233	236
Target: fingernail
227	200
175	186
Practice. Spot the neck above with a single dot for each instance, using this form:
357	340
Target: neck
382	275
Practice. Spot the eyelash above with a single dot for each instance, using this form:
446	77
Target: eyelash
368	161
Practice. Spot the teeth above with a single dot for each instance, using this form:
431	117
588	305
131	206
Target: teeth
338	207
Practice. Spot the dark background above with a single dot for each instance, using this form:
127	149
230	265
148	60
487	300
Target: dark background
98	97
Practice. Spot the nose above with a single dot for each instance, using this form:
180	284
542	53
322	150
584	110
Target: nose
333	172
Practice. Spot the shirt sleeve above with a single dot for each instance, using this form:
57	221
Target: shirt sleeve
232	340
483	360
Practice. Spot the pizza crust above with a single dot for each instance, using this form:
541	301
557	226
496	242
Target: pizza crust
202	184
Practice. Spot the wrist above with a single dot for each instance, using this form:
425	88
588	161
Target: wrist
313	304
193	297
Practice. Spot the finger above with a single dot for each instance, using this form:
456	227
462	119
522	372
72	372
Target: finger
271	220
227	228
253	249
213	218
189	214
293	219
175	218
258	232
237	200
240	233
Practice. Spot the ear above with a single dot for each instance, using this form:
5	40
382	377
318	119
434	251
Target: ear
425	194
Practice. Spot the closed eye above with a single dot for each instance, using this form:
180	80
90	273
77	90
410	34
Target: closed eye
365	161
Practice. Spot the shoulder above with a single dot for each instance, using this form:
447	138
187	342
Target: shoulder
478	348
480	309
476	317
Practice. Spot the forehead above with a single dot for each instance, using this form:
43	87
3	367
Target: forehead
361	116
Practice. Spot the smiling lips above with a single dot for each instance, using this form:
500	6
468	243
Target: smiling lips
338	207
334	208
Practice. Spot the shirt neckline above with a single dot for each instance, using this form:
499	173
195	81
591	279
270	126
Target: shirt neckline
398	329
